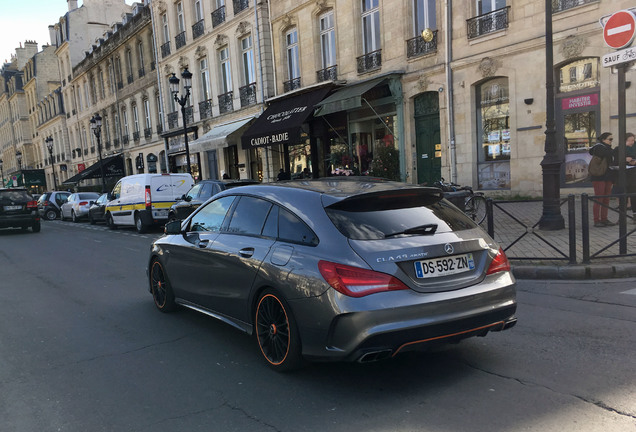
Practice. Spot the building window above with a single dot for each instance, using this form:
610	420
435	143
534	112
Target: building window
486	6
579	75
293	55
129	65
370	26
327	40
206	92
165	28
248	60
226	74
124	114
140	51
198	11
180	18
424	16
493	134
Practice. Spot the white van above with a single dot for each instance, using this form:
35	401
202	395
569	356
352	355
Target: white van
143	200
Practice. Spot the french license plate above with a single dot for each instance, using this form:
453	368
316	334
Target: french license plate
436	267
13	207
161	213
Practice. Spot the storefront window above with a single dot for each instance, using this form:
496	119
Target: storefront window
579	75
493	137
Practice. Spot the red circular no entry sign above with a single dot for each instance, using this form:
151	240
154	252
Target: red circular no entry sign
619	29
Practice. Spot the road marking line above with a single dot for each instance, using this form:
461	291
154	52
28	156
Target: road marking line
631	291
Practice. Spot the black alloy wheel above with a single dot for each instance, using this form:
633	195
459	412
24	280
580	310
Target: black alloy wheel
160	288
276	333
50	214
110	222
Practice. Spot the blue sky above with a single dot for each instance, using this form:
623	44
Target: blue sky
22	20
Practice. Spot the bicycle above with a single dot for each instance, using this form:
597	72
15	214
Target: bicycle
470	202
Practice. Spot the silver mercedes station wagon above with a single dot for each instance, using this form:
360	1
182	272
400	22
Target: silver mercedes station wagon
335	269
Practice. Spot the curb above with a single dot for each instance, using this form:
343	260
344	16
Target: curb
575	271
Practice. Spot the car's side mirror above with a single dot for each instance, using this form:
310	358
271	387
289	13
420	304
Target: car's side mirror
173	227
110	196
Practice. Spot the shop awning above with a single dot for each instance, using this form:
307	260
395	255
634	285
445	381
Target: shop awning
219	136
280	123
349	97
113	167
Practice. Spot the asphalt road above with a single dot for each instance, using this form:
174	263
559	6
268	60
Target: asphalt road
82	348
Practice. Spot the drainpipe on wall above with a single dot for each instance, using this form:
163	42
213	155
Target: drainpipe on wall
449	90
260	64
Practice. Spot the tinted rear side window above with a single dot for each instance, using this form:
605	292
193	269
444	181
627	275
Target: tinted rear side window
379	217
249	216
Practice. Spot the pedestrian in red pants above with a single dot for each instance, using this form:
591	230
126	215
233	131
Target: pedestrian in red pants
603	183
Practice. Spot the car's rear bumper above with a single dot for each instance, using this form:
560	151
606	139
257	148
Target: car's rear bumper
18	221
386	324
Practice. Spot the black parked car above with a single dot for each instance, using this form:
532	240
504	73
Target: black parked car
18	209
96	213
200	193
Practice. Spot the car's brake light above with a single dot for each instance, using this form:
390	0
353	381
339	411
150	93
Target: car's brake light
32	205
499	263
83	203
45	203
148	200
357	282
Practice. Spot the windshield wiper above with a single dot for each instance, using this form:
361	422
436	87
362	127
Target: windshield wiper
428	229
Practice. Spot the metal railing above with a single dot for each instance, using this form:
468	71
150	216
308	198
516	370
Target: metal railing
240	5
173	120
327	74
369	61
218	16
198	29
180	40
165	49
561	5
291	84
488	23
248	94
417	46
205	109
226	103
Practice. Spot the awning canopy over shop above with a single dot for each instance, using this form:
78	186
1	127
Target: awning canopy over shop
281	122
349	97
113	167
219	136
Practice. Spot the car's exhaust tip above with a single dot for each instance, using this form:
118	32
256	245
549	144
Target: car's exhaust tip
375	356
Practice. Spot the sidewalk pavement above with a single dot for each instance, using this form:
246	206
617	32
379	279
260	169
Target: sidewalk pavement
541	254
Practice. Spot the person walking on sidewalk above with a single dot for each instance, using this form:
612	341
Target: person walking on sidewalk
603	183
630	165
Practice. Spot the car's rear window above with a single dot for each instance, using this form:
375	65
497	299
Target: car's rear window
14	195
85	196
382	216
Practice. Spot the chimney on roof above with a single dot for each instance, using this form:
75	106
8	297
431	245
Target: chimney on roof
72	4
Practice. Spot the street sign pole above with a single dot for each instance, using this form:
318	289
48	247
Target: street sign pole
622	175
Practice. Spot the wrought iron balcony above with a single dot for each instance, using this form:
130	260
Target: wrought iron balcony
116	142
136	136
180	40
561	5
153	65
370	61
173	120
225	103
189	113
327	74
240	5
488	23
142	72
130	79
120	85
417	46
205	109
218	16
93	150
107	145
147	132
125	139
291	84
248	95
165	50
198	29
159	129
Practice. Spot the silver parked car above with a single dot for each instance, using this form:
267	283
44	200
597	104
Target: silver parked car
335	269
77	205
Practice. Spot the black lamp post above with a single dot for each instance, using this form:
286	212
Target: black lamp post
1	173
183	100
49	145
96	127
551	219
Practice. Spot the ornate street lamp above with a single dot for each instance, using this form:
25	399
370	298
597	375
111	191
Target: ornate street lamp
551	219
1	173
96	127
183	101
49	145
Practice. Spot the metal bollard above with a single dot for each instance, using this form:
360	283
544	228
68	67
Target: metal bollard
585	225
572	228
